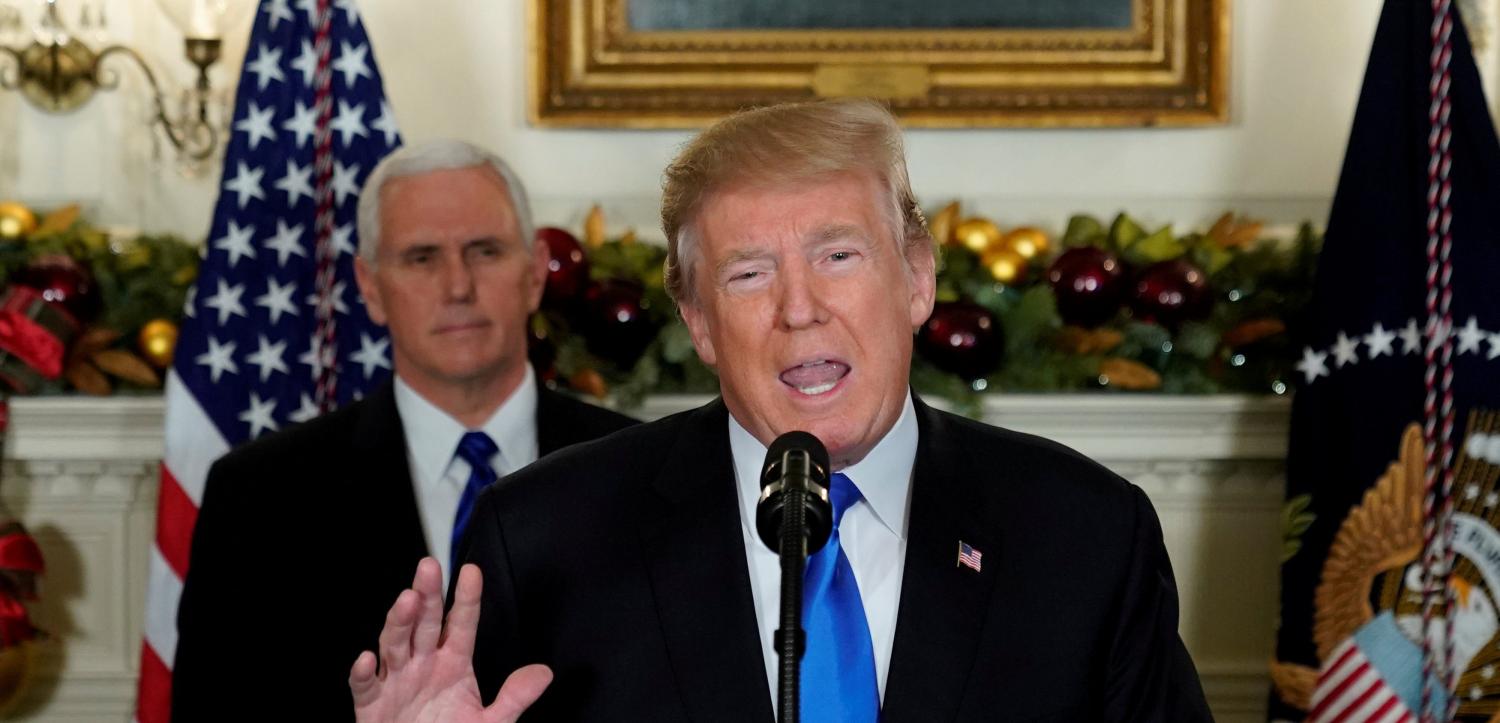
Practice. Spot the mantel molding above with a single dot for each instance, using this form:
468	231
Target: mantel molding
82	474
1113	427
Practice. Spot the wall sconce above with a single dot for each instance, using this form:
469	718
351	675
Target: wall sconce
57	72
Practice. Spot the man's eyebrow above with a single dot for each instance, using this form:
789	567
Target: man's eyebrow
741	256
834	232
490	239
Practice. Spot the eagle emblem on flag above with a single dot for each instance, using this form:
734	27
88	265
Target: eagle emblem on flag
1372	583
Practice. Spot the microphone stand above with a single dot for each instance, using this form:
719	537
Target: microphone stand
791	640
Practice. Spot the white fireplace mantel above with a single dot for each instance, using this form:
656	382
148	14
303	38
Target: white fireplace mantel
81	473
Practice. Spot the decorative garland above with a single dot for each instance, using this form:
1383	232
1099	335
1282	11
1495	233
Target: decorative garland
83	309
1112	306
1105	307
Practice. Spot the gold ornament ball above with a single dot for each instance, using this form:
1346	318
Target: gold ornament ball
156	341
977	234
16	221
1007	266
1027	241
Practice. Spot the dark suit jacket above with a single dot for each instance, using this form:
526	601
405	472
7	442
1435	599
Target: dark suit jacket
304	539
639	596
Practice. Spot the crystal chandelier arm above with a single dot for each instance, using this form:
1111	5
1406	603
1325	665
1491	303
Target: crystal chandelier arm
10	76
197	137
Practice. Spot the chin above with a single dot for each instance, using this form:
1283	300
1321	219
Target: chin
834	437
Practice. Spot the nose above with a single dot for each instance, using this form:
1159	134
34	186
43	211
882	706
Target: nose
457	279
801	298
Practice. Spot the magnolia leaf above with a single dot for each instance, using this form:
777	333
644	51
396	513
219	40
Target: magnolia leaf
941	224
1083	230
1212	259
87	379
588	381
124	365
1078	340
593	228
57	221
1159	246
1125	232
1221	228
1128	374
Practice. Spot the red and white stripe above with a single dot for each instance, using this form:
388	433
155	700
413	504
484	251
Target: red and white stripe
1438	411
327	255
1351	690
192	444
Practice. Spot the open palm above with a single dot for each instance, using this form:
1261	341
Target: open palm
427	674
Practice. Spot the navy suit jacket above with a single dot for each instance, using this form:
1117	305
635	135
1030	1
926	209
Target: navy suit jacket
621	564
304	539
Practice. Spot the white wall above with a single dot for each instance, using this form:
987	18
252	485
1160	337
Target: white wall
457	68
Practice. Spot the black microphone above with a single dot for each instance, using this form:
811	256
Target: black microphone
796	460
793	518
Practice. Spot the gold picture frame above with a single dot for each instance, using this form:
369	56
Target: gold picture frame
1169	67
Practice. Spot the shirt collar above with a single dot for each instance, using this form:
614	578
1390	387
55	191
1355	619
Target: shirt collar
883	476
432	435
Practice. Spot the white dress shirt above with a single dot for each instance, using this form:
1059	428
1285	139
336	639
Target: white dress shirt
872	534
438	475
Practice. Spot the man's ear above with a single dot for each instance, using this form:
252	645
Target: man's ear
364	277
697	324
923	266
536	273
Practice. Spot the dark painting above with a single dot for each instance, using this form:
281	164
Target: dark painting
647	15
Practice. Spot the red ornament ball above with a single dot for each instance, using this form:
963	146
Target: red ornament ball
567	270
962	338
1089	284
1171	292
616	324
65	282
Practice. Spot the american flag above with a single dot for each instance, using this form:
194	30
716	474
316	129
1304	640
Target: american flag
1374	675
1351	689
968	556
274	331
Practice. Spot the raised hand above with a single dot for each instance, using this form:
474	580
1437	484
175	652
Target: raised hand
428	671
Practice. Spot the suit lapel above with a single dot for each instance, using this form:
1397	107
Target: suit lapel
695	556
385	531
943	604
552	430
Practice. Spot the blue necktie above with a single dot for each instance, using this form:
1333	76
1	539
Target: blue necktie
838	669
477	449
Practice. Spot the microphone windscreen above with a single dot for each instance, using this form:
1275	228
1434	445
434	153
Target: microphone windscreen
790	441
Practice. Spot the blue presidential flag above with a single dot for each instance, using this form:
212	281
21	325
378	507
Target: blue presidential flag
1399	382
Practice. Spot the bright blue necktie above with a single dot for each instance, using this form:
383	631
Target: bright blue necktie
477	449
838	669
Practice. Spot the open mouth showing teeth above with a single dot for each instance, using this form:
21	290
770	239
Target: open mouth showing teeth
816	377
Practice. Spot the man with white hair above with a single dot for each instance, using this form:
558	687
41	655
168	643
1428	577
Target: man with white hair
973	574
312	530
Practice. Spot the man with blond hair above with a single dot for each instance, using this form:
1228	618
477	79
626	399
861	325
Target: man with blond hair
973	574
447	262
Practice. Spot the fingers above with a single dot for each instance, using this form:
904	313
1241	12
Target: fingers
463	618
520	690
395	637
430	615
362	680
429	579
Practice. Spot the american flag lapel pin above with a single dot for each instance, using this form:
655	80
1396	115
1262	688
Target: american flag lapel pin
968	556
